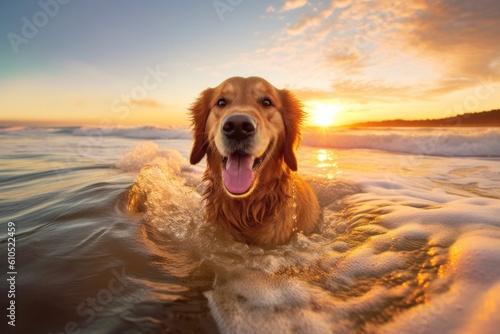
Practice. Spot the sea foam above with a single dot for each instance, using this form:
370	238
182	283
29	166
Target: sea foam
402	249
452	141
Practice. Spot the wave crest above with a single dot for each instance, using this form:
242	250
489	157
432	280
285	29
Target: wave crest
463	142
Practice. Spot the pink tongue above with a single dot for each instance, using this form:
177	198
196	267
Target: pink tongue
238	176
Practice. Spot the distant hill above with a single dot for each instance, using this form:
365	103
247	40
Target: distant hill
486	118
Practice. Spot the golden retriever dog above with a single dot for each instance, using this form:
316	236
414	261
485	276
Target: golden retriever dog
249	131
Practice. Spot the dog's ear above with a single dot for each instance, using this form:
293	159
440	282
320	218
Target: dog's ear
293	116
199	114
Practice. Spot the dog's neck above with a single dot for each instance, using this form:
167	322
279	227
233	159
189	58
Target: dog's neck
274	194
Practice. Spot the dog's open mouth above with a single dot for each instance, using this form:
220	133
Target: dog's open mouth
239	172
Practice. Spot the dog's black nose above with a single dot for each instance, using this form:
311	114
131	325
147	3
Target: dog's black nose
238	127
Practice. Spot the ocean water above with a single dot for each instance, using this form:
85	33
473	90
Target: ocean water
109	236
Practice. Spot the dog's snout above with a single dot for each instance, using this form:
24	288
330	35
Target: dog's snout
239	127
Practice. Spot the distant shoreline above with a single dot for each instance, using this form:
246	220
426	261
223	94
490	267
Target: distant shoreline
481	119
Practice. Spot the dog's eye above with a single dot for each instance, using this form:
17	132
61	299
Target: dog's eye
221	102
267	103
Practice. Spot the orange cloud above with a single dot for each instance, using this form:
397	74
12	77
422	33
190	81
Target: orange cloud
270	9
145	103
293	4
385	52
361	92
308	21
462	36
393	50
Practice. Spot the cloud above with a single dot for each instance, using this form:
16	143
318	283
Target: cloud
389	50
148	103
293	4
361	91
383	52
462	34
308	21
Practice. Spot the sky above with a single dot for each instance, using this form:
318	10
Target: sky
133	63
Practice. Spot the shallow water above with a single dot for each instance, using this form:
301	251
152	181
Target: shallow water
109	239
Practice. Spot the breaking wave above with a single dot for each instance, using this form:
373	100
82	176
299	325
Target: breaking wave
461	142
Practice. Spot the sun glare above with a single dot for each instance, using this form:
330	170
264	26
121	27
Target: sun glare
321	114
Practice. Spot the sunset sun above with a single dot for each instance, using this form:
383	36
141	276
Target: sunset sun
321	114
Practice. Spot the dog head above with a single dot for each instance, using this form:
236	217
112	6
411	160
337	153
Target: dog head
247	126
